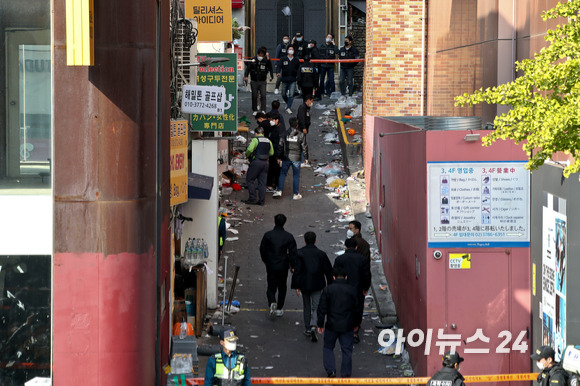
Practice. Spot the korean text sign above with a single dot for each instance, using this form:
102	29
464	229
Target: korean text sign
178	162
209	100
478	204
224	75
214	21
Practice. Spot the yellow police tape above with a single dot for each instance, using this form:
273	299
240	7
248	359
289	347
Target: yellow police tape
375	381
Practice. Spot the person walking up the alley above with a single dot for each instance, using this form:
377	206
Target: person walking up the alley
276	137
327	52
294	145
358	272
258	68
228	367
349	51
288	71
307	77
278	252
449	375
281	52
312	273
258	152
339	306
362	246
552	373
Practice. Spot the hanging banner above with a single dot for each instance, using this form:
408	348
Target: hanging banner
214	22
178	162
554	259
224	75
478	204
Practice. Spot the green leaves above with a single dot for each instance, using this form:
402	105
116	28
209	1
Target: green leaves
545	100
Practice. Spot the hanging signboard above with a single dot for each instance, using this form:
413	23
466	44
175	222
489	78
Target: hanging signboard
214	22
209	100
224	75
178	162
478	204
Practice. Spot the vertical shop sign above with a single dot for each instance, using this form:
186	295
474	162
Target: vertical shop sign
214	22
178	162
222	75
554	259
478	204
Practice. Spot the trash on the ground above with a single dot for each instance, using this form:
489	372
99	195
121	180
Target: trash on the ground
320	106
241	139
383	287
276	356
332	168
234	231
254	336
335	95
338	253
356	112
351	102
327	112
268	367
336	152
387	350
337	183
331	138
232	238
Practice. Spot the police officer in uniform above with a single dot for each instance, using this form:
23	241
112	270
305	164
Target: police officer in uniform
228	367
258	152
281	52
300	46
327	51
449	375
258	68
347	69
307	77
552	372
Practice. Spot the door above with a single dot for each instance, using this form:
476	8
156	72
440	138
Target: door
477	297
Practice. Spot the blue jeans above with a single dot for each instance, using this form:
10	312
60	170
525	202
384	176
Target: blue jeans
346	79
346	340
328	86
295	175
288	89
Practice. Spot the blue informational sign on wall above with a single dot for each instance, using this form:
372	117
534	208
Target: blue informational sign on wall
478	204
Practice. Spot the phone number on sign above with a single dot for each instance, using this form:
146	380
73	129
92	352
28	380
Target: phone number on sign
450	342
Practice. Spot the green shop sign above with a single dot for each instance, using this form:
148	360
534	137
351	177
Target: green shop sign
219	74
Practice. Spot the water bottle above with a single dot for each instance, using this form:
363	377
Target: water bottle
183	329
205	250
198	251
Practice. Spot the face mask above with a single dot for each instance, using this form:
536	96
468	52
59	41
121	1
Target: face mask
290	52
231	346
349	233
310	45
298	39
286	41
272	123
328	40
540	365
346	43
260	57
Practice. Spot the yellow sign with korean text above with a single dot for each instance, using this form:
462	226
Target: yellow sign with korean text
178	163
460	261
214	22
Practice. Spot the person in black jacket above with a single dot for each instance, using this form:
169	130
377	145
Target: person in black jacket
278	251
552	372
362	246
258	68
358	271
339	305
276	135
307	77
347	69
449	375
281	52
303	114
288	71
312	273
300	45
327	51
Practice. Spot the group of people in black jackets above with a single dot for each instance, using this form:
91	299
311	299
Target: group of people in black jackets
333	296
294	68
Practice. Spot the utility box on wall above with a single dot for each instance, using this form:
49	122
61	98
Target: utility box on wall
452	221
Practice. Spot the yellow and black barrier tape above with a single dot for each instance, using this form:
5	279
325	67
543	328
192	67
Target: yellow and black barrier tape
377	381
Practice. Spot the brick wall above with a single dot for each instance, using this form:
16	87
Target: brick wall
392	76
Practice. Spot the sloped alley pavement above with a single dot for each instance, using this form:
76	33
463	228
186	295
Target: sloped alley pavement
278	348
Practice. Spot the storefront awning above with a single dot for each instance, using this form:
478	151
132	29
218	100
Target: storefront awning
199	186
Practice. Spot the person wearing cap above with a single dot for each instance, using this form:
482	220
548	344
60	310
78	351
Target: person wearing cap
281	52
348	51
288	71
307	77
552	372
258	152
258	68
300	45
449	375
327	51
228	367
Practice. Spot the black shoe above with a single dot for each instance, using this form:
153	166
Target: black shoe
256	203
313	336
332	375
249	202
356	338
307	333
